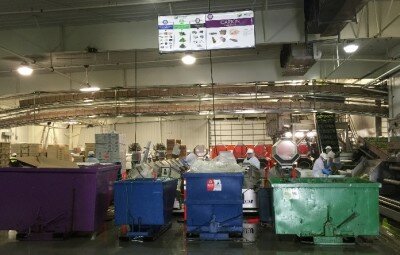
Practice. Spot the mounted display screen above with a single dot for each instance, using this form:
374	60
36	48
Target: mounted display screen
230	30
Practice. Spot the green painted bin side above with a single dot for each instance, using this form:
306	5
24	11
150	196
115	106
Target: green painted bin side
341	207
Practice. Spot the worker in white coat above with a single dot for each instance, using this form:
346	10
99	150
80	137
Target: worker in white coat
251	159
330	154
320	168
91	158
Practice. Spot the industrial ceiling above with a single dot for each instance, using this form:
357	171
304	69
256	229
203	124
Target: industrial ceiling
40	13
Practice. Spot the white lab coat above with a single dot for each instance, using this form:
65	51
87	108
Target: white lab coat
190	159
318	167
331	154
252	161
92	160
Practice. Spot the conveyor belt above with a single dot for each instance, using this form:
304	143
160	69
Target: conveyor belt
389	208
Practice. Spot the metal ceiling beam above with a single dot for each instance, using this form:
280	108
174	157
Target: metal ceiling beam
76	7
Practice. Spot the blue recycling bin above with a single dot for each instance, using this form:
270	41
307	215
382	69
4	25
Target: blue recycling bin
214	205
145	205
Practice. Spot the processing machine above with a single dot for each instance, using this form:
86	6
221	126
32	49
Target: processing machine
388	174
285	153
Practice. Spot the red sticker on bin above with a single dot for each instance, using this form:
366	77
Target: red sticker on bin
214	185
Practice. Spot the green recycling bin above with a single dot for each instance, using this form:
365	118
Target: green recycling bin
327	209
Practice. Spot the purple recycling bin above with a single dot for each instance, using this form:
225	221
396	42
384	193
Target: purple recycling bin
54	202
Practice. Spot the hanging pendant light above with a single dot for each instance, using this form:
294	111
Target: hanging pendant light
87	87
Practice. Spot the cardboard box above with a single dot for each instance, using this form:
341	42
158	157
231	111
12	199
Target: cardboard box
5	145
79	158
58	152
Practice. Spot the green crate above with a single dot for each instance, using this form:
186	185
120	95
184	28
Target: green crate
327	209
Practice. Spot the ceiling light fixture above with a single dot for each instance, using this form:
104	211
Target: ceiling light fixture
88	87
73	122
350	48
24	70
188	59
204	113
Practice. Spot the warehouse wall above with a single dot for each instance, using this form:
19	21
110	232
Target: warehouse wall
365	125
33	134
192	132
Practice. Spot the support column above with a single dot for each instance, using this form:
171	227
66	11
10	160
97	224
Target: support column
378	121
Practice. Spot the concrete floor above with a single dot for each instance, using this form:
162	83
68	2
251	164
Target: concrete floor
173	242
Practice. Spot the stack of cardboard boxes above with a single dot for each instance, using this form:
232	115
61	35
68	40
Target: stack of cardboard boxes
4	154
111	148
170	146
183	151
59	152
26	149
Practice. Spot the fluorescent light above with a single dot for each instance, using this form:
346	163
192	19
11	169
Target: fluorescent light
314	111
299	135
188	59
204	113
120	116
92	116
288	134
88	100
350	48
25	70
73	122
248	111
89	89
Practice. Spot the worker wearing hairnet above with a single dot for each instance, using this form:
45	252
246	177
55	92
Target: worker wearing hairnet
14	161
321	168
91	158
251	159
329	152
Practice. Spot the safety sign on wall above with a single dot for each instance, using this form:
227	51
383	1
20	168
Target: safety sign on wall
214	185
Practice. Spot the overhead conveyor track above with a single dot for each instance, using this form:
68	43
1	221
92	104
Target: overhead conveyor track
259	97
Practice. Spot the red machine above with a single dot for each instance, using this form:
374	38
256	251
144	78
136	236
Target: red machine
217	149
240	151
